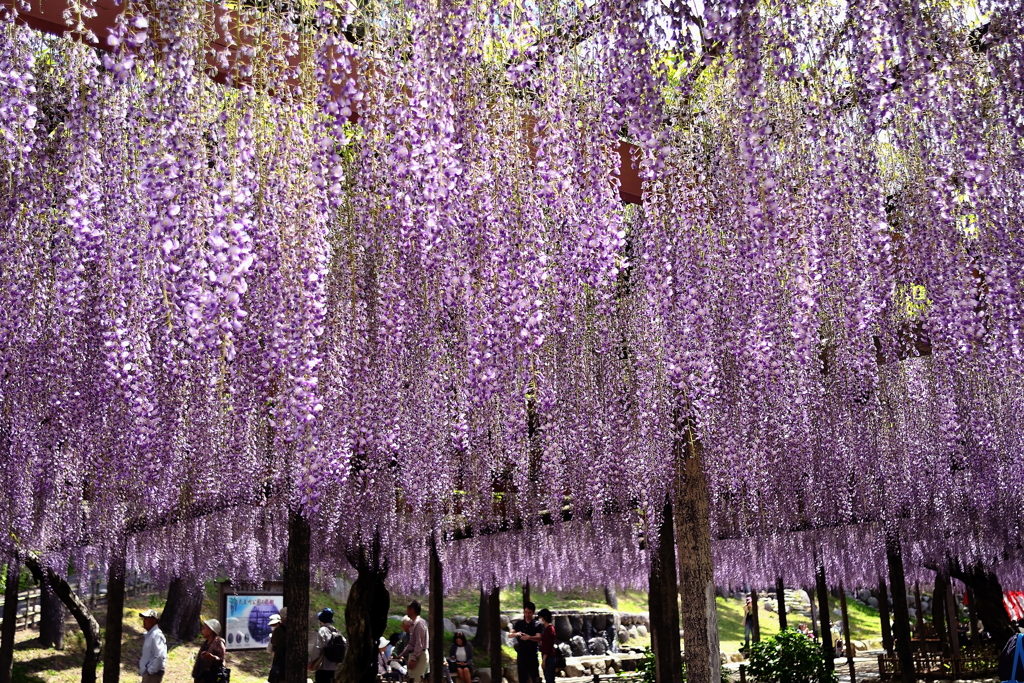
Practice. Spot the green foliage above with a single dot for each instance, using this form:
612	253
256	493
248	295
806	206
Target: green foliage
646	668
789	657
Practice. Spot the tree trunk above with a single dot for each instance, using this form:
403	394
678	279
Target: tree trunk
51	618
901	618
610	597
988	595
114	626
180	617
296	599
10	624
780	599
827	647
756	635
436	624
86	622
663	603
696	572
481	641
526	593
883	615
494	627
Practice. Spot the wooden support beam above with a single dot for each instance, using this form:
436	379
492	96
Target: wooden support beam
883	615
494	614
780	599
10	624
952	622
757	617
663	602
296	599
114	626
901	618
436	607
918	611
696	571
846	632
827	646
972	614
814	610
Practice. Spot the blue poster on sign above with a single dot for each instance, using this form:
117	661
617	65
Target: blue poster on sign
248	623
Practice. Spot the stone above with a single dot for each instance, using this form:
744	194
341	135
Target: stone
859	645
769	607
511	673
600	622
911	612
505	622
563	628
577	624
588	626
629	663
341	589
873	602
623	635
573	668
473	621
579	646
597	646
449	625
735	657
459	620
484	675
565	649
598	668
642	630
864	595
469	631
634	632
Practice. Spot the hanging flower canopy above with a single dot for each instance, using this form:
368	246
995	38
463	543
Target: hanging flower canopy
370	262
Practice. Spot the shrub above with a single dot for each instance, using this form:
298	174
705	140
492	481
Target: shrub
789	657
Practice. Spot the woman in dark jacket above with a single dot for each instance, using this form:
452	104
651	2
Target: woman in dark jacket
460	658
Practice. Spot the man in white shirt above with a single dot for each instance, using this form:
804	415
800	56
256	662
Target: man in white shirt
154	649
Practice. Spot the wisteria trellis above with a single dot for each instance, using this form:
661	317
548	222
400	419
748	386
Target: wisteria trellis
222	289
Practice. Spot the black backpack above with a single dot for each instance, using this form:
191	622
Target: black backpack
334	650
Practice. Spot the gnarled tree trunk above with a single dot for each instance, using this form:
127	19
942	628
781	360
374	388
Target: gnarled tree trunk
988	596
827	647
436	622
90	628
780	599
494	629
180	617
883	615
366	615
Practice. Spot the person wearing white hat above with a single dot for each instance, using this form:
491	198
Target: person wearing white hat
276	648
383	666
154	649
212	654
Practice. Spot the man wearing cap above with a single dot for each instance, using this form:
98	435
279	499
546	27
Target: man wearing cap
276	648
154	649
326	669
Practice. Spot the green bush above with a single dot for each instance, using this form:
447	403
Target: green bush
789	657
647	668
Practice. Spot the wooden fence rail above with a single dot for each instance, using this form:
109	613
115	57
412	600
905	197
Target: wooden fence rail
92	590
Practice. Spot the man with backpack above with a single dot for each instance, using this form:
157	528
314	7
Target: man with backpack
329	650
